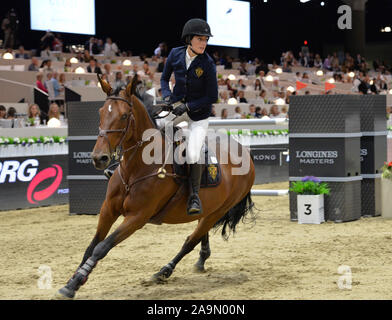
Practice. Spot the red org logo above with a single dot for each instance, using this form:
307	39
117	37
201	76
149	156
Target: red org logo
45	174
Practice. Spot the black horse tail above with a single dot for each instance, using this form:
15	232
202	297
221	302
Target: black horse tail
241	210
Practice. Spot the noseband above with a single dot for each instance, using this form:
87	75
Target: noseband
118	150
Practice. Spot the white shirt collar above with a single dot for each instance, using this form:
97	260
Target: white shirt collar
188	59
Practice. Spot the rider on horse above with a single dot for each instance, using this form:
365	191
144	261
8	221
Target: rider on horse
195	91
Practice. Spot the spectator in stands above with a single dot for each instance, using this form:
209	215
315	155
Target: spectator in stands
258	113
243	68
34	112
241	97
261	67
224	113
54	112
22	54
228	62
93	68
68	65
305	78
274	112
284	112
264	114
286	67
86	56
111	48
46	54
39	84
364	86
241	85
80	57
92	46
100	46
62	80
34	64
223	97
161	50
57	43
237	113
146	68
275	84
107	70
263	97
318	63
327	63
46	66
257	85
3	112
52	81
11	113
119	82
252	112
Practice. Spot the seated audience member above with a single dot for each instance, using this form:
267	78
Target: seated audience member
237	113
46	54
263	97
284	112
68	65
118	82
264	114
224	113
39	84
93	68
86	56
46	65
241	85
258	113
252	112
275	113
223	97
258	86
108	69
3	112
34	112
146	68
34	64
22	54
243	69
11	113
241	97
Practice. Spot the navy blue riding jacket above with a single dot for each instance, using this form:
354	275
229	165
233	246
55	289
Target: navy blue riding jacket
197	86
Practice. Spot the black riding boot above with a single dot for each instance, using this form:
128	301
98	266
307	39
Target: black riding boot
194	203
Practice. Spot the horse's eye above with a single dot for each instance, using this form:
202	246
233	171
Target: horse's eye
124	116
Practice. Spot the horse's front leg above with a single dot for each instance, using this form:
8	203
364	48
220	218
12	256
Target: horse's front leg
126	228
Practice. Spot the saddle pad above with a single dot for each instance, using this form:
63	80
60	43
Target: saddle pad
211	175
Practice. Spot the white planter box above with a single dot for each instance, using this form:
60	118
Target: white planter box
386	192
310	209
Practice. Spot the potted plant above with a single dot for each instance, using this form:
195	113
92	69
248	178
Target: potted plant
386	190
310	199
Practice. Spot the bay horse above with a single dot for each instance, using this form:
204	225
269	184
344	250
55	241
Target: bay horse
136	192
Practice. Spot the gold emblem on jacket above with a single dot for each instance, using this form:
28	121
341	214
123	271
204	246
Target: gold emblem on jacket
199	71
213	171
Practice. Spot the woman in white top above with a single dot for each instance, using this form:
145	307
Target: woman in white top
111	48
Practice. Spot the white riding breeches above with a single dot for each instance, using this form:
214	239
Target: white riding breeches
197	133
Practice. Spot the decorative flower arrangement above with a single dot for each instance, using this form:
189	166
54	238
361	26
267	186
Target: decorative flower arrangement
387	170
4	141
310	185
260	132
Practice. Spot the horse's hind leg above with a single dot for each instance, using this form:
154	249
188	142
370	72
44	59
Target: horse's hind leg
205	252
205	224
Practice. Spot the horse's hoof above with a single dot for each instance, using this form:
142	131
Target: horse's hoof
65	293
163	274
198	268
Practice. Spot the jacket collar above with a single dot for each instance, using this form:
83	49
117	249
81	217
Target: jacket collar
194	63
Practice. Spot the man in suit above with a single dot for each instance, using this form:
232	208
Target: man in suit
93	68
195	90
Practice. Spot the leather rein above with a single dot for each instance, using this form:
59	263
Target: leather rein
118	152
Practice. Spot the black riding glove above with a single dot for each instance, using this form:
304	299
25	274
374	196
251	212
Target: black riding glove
180	109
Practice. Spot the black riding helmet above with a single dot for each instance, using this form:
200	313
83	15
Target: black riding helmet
194	27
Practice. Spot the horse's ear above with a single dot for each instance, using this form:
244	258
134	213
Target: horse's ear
131	87
105	86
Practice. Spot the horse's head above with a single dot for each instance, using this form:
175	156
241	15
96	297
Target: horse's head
116	126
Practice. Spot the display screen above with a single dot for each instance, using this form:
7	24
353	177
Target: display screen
230	23
71	16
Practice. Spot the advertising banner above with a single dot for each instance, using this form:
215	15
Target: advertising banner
27	182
